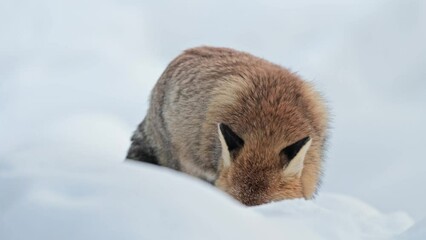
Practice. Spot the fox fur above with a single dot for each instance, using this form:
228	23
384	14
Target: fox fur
248	126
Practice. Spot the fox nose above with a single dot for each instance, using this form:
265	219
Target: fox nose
253	202
252	193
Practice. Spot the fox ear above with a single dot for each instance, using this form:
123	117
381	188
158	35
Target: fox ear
295	154
230	142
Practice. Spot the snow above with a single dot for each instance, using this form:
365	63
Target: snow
417	232
139	201
75	77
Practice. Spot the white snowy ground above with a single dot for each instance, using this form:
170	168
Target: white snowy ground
140	201
74	82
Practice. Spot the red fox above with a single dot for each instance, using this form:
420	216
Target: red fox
248	126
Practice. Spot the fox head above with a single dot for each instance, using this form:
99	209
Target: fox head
255	174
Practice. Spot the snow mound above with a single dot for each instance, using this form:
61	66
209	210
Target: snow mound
417	232
139	201
333	216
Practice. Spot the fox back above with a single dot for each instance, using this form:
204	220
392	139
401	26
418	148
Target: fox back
248	126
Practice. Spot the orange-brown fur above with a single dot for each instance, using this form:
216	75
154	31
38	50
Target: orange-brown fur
265	104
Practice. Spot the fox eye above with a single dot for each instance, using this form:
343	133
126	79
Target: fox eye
289	152
233	141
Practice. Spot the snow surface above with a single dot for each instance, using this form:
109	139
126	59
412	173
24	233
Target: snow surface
140	201
74	82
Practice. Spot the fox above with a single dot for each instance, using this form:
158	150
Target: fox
241	123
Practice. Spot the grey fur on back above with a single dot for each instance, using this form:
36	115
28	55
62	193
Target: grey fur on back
172	129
